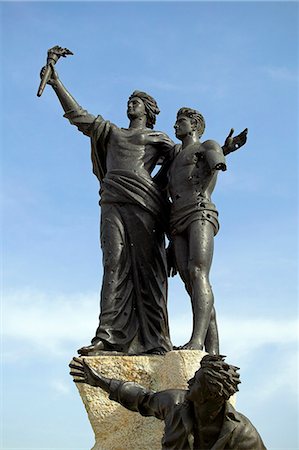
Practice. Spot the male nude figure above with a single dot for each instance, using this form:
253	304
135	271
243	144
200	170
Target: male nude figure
194	219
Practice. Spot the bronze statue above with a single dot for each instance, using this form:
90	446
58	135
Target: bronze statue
194	218
134	217
198	418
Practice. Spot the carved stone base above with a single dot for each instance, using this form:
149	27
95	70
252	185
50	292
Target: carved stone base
114	427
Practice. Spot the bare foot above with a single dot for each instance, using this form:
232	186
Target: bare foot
191	345
156	351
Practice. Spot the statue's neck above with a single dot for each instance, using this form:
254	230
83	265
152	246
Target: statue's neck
138	122
190	140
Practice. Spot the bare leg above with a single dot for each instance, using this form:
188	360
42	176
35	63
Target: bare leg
201	245
200	256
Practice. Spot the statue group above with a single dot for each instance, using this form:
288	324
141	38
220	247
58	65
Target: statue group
139	211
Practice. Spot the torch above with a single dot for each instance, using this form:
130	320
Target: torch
53	56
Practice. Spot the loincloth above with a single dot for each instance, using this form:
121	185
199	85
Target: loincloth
181	217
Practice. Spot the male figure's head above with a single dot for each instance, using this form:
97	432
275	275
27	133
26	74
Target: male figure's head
141	104
189	122
215	380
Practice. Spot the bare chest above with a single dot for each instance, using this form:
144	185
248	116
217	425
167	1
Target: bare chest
188	168
130	149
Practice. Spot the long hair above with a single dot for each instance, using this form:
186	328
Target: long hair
151	107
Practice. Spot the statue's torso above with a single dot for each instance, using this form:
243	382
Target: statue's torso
132	150
190	176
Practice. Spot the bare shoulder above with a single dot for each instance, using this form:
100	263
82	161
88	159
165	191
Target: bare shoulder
211	145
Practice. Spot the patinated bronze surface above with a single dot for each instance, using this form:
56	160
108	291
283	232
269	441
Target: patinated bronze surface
137	210
199	418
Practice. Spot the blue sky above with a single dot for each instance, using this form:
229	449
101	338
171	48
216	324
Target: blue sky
237	62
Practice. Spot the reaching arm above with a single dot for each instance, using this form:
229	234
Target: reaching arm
130	395
73	111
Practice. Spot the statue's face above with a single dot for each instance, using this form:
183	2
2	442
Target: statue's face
183	126
136	108
198	389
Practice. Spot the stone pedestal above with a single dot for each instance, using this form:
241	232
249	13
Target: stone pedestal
116	428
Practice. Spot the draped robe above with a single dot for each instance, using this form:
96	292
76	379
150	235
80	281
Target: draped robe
134	216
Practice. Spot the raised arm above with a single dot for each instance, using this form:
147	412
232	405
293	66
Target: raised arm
73	111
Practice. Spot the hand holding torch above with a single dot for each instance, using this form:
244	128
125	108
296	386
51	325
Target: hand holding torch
54	54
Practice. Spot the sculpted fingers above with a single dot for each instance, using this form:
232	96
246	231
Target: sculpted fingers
42	72
160	138
78	360
77	363
241	139
168	141
75	366
77	374
50	73
77	369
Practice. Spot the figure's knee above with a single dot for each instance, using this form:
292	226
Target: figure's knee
198	273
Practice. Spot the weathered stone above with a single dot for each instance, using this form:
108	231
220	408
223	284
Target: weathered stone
114	427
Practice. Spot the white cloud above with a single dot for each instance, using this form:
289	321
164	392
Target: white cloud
55	324
35	322
244	335
241	335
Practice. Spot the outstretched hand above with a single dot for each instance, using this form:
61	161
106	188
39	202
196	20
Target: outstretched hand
83	373
232	144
